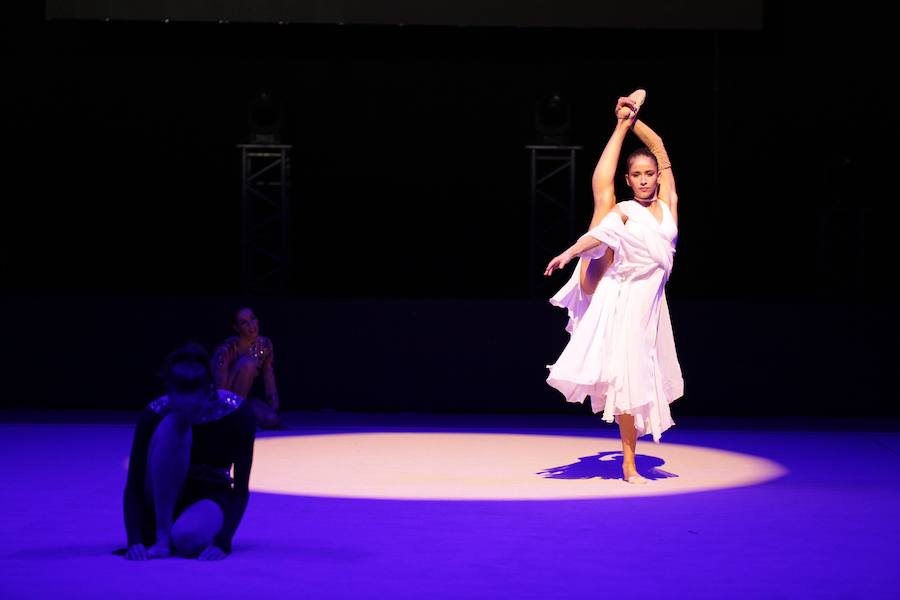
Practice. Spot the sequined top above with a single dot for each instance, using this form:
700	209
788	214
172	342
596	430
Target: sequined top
227	402
260	349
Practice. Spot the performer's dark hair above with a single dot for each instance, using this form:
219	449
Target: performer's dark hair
234	315
642	151
188	370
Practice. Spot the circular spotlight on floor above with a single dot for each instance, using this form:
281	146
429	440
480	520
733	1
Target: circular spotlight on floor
490	466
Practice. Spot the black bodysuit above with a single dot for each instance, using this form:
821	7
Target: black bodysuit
216	445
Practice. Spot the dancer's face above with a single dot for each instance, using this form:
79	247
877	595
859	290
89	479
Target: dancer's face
246	324
642	177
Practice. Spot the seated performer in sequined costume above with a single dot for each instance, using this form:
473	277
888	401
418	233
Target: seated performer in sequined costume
180	497
240	359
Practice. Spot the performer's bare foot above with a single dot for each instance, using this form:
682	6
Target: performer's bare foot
628	106
161	549
638	97
631	475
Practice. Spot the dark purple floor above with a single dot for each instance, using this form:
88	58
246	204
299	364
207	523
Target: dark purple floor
829	528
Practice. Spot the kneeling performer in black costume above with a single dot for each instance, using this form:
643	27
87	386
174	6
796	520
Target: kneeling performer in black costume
180	497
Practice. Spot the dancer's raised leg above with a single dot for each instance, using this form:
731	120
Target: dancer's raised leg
603	184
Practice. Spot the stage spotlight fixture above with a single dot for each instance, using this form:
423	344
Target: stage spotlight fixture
266	118
553	119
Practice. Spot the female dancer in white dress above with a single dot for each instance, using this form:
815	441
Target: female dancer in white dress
621	352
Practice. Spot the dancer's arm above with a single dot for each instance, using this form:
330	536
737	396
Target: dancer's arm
134	488
222	360
234	511
666	180
584	243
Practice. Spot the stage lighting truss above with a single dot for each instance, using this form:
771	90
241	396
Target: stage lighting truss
265	203
552	227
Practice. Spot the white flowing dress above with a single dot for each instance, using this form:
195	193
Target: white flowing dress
621	351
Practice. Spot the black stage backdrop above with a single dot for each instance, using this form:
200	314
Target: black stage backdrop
693	14
409	287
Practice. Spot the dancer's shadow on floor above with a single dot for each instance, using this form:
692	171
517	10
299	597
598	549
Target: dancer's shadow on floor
607	465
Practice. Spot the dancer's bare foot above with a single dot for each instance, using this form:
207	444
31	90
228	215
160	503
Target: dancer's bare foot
137	552
638	97
627	107
632	476
161	549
